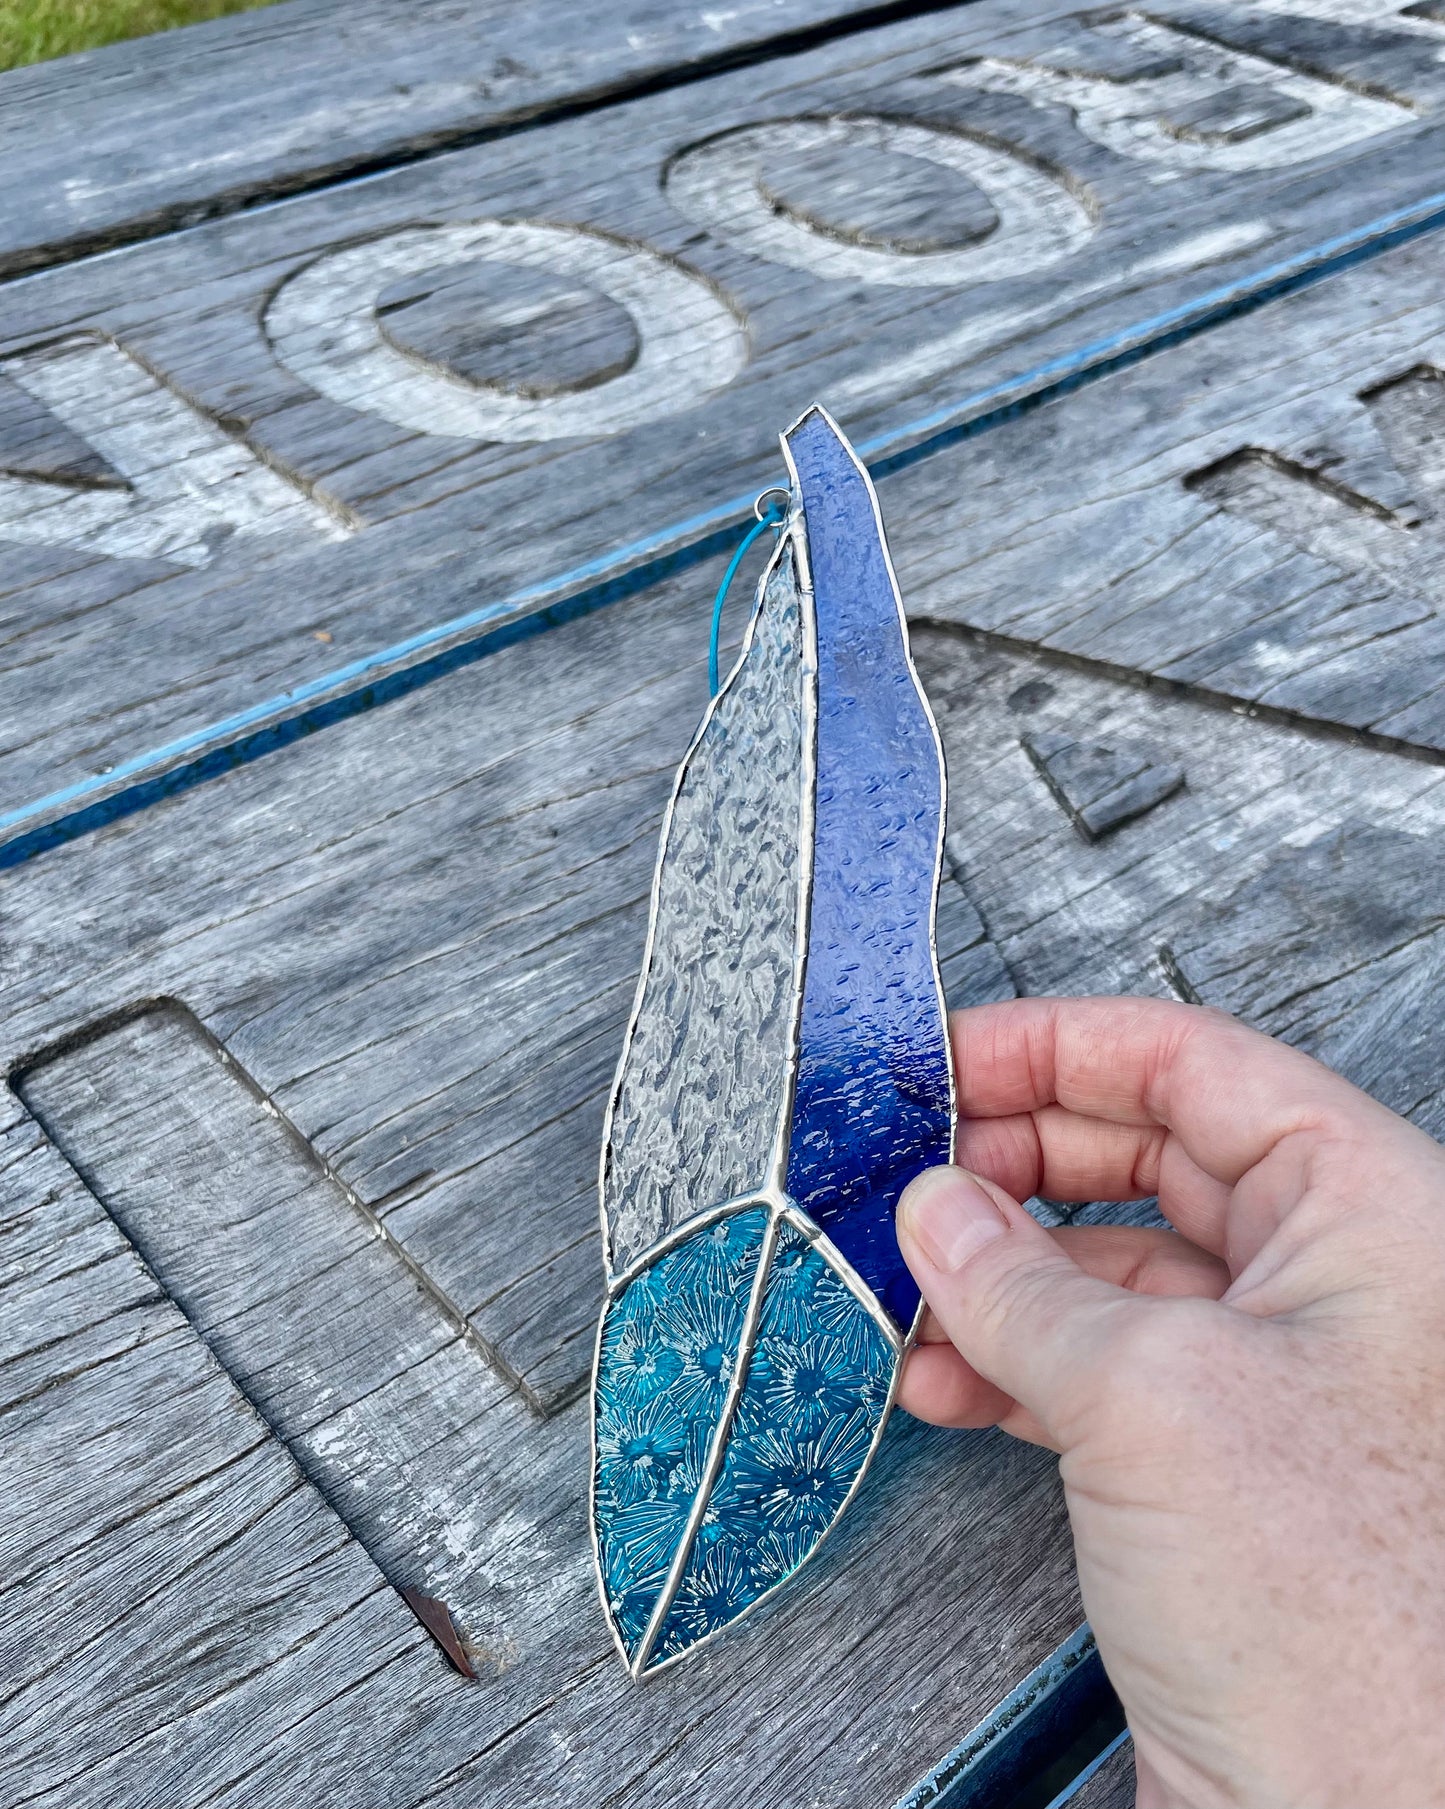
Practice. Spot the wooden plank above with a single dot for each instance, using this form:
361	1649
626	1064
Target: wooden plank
558	821
417	934
297	482
1293	879
159	132
334	1348
1036	1743
1255	516
168	1578
1112	1785
519	907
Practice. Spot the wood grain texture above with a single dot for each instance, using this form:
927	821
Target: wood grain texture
649	213
556	826
1112	1785
557	1685
516	330
169	1580
1292	881
181	1678
555	831
1255	516
332	1346
418	934
149	135
1101	787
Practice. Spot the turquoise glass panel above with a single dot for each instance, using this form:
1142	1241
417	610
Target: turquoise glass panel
811	1406
669	1345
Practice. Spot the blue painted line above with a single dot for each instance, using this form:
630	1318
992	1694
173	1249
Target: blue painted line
244	738
406	665
1116	351
711	531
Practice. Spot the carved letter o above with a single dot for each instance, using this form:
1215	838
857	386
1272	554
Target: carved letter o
323	327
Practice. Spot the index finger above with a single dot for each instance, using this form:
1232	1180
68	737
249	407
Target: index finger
1227	1093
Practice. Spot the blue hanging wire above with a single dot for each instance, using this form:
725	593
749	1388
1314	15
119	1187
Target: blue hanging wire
771	509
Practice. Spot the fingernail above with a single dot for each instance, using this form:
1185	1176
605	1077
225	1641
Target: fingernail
949	1216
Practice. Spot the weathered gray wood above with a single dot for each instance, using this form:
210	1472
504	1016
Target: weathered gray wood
169	1580
462	1044
330	1347
526	827
1112	1785
375	1722
417	933
556	832
972	970
184	1622
742	313
1295	880
516	330
1101	787
1255	516
152	134
900	204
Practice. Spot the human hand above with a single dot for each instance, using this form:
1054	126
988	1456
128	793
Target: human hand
1250	1416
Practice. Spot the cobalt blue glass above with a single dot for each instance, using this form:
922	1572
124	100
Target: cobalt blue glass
874	1101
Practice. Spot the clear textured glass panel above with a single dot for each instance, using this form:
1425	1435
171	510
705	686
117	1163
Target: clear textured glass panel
668	1350
703	1080
874	1099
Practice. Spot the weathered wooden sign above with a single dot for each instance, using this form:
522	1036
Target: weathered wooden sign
404	1293
418	960
446	395
1255	516
329	1040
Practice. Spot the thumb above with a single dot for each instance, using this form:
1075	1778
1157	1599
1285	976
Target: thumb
1019	1311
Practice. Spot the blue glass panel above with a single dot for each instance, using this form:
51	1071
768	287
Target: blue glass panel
873	1101
669	1344
811	1405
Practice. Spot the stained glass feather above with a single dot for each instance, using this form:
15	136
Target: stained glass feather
785	1073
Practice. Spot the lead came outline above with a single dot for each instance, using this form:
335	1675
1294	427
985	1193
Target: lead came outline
779	1205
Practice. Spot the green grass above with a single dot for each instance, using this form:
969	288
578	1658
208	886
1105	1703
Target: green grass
31	30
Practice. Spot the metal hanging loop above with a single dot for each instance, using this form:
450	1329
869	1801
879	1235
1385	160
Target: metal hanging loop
771	509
